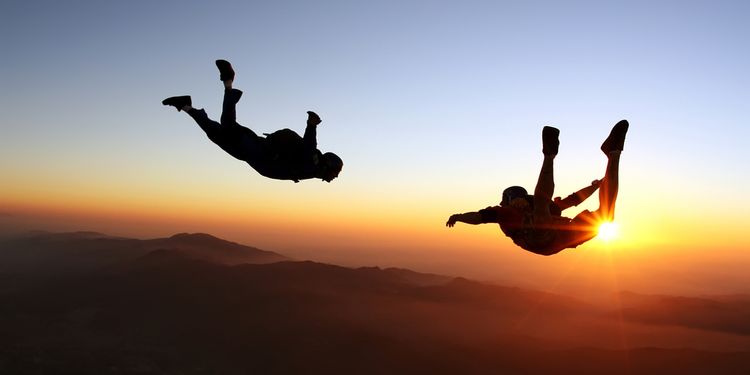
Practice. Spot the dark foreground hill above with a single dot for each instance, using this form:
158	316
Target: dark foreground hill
169	312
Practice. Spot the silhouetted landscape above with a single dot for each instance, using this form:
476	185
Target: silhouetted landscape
88	303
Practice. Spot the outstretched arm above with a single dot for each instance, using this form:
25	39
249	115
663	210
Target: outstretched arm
467	217
576	198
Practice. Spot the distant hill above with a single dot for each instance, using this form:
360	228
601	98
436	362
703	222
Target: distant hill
166	307
72	252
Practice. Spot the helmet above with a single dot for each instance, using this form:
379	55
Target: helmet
512	193
332	165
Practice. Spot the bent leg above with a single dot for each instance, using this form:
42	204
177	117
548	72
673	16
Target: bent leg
237	140
310	139
229	106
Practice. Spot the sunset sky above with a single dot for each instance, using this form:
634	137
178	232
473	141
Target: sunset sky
434	106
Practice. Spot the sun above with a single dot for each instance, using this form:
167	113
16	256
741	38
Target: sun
608	231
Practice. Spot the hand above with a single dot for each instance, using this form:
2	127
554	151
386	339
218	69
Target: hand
451	221
313	119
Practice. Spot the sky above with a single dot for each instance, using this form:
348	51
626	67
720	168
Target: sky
434	106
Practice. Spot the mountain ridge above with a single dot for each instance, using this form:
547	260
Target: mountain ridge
75	251
166	311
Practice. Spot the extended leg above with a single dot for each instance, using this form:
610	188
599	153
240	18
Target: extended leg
545	185
185	104
609	186
237	140
612	147
212	128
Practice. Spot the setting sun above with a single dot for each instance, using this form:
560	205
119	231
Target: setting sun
608	231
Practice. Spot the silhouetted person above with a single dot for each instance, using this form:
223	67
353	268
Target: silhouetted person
535	223
282	155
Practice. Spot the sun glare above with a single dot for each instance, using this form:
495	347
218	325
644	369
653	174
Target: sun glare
608	231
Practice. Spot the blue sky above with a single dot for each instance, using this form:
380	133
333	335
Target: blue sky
434	106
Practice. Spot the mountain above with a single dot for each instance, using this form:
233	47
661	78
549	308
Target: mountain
207	247
167	311
53	253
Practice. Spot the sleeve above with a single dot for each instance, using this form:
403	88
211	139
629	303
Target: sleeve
488	215
494	214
